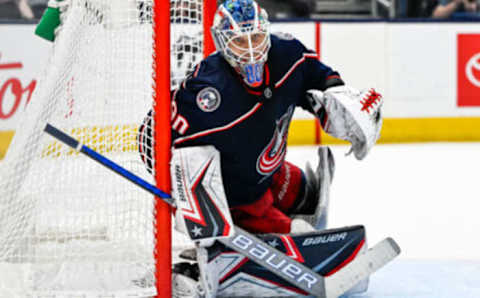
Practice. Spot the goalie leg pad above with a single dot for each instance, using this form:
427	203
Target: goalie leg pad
313	208
326	252
197	187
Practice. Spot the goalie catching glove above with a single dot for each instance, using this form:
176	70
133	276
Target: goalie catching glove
351	115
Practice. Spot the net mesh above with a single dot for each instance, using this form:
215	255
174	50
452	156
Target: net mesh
68	226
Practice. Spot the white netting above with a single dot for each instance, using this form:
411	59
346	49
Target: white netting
68	226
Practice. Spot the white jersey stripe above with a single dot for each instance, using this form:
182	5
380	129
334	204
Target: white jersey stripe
221	128
289	72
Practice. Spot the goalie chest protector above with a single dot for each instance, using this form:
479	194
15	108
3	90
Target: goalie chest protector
249	126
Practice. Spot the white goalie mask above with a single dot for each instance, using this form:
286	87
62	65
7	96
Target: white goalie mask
241	32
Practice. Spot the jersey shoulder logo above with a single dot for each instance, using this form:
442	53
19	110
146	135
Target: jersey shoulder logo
208	99
274	153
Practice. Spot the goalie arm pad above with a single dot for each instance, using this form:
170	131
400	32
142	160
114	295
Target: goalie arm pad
197	187
351	115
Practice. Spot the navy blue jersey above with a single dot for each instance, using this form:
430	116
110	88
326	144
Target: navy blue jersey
249	126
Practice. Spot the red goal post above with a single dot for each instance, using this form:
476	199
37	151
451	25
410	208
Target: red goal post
68	227
162	81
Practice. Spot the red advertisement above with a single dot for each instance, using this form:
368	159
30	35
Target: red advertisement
12	90
468	70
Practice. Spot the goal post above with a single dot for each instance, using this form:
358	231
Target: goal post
209	9
161	98
68	227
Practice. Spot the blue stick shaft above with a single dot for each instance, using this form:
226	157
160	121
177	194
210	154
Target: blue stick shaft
68	140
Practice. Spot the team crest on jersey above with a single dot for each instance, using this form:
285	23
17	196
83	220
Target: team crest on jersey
208	99
274	153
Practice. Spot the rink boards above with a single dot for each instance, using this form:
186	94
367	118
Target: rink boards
428	73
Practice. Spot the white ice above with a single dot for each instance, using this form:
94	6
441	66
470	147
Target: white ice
425	196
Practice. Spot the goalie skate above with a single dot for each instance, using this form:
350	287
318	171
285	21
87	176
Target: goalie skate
185	283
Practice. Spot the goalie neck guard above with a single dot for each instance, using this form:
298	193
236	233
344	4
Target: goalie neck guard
241	32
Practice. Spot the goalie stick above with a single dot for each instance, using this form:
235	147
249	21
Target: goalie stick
258	251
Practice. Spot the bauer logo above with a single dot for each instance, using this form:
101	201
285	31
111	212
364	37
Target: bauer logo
179	185
269	258
468	70
324	239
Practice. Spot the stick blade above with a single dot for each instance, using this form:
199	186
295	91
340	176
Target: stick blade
361	267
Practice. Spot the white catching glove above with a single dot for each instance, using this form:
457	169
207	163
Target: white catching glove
352	115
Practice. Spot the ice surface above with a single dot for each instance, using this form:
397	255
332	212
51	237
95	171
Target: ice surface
425	196
426	278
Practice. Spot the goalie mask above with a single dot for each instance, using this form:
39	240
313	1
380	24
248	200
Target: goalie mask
241	32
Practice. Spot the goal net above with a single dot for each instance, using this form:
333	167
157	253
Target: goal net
68	226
